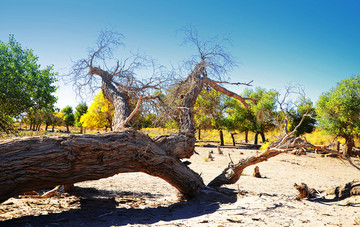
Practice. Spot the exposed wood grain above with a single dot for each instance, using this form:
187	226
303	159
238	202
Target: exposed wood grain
33	163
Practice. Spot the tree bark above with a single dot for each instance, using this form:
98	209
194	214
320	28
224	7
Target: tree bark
33	163
223	90
246	136
262	136
349	144
221	134
120	103
233	139
232	173
118	99
256	138
179	145
189	99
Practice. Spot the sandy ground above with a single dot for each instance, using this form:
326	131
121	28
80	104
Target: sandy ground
137	199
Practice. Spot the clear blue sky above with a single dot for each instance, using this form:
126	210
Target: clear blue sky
312	43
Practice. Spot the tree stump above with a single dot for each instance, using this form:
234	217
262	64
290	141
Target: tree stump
220	151
210	157
257	172
304	191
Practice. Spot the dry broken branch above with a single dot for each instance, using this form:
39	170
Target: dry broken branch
227	92
337	193
232	173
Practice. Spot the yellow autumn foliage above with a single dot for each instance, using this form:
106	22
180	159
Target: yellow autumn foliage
99	114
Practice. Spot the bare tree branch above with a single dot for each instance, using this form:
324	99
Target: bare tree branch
223	90
120	84
212	51
237	83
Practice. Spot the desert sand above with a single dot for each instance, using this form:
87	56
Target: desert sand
137	199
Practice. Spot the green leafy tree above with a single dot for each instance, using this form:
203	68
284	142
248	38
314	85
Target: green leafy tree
202	113
23	85
49	118
34	118
309	122
338	111
69	118
238	118
210	109
80	110
261	114
146	120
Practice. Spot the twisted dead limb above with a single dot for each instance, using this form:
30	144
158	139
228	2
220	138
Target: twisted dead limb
337	193
232	173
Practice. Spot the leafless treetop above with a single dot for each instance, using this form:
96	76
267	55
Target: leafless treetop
127	74
212	51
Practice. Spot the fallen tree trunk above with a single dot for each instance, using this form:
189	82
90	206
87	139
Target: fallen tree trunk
232	173
34	163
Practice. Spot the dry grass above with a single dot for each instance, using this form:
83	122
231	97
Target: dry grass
321	138
317	137
158	131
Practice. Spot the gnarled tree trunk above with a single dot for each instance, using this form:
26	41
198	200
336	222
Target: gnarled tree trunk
118	100
348	146
189	99
33	163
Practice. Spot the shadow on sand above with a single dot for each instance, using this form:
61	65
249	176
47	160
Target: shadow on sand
104	211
